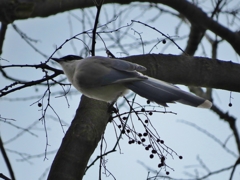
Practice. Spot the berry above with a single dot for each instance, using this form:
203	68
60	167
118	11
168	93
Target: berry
162	159
154	151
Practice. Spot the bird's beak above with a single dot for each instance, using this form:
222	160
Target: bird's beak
55	59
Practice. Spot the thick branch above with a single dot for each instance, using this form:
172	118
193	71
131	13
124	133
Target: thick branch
23	9
186	70
195	15
80	140
191	71
195	38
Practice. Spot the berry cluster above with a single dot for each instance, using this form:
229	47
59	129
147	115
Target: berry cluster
149	139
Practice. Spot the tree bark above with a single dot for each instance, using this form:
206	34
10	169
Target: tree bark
191	71
23	9
80	140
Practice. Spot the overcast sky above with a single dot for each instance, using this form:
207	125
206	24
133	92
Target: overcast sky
182	138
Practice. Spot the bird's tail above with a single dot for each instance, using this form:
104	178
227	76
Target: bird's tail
162	93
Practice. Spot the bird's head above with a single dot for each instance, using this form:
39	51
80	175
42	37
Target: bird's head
67	59
68	64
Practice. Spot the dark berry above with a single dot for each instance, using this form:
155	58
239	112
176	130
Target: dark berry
150	113
151	156
164	41
146	121
230	104
154	151
143	139
143	110
180	157
167	173
39	104
148	101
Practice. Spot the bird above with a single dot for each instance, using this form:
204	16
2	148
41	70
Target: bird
106	79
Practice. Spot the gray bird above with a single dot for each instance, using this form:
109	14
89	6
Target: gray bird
106	79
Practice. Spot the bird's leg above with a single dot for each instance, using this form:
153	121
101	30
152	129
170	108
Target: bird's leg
111	108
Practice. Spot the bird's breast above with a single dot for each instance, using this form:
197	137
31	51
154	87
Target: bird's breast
108	93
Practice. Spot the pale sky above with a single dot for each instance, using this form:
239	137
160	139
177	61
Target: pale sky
184	139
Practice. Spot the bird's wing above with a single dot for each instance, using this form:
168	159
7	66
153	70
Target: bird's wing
123	65
101	71
162	93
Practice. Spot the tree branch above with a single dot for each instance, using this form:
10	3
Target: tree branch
191	71
2	35
9	166
80	140
29	9
98	6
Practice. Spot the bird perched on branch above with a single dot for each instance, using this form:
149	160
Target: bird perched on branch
106	79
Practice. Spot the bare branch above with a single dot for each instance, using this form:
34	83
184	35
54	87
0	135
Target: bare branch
2	35
6	159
